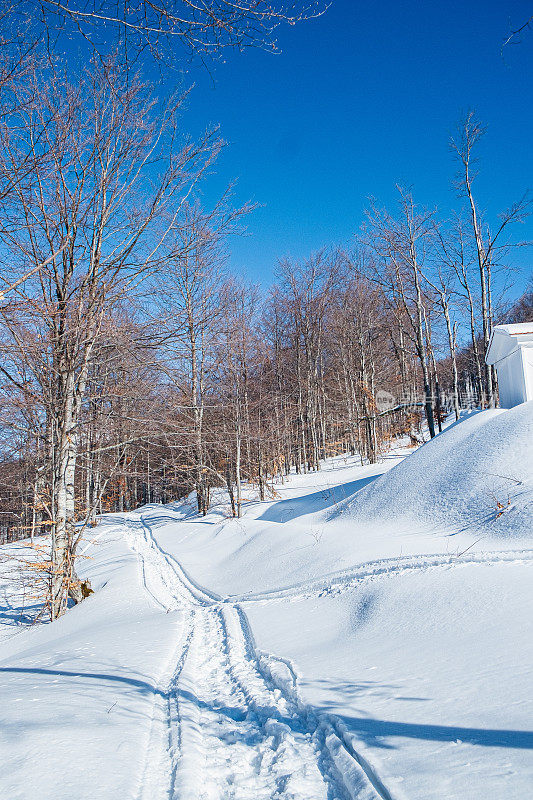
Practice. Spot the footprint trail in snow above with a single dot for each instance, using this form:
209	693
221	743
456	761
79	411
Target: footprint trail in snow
230	723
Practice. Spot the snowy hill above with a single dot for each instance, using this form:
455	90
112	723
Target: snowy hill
477	475
364	635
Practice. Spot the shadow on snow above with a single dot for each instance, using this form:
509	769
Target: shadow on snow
374	732
287	510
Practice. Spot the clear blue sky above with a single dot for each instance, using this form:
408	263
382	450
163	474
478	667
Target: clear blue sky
361	98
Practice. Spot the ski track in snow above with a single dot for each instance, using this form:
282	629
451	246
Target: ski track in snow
342	581
381	568
230	722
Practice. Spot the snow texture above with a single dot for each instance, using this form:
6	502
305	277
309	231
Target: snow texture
477	475
366	635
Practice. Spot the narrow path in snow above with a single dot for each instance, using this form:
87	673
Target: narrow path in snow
345	580
336	583
228	722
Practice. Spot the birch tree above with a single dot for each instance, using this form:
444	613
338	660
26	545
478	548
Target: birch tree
108	180
489	245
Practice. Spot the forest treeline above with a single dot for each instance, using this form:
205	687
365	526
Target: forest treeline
135	369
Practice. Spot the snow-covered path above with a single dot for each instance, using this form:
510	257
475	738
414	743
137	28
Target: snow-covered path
231	724
390	656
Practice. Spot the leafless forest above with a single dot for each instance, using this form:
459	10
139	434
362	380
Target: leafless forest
136	369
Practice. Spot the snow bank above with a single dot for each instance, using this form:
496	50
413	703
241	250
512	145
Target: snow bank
428	672
472	482
373	594
477	475
78	698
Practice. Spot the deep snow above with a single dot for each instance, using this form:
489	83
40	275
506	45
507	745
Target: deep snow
365	634
476	477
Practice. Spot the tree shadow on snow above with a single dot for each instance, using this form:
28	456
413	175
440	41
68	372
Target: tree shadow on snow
287	510
381	733
376	732
373	732
142	685
243	725
20	614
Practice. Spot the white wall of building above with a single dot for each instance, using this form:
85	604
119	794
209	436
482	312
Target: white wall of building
511	352
511	380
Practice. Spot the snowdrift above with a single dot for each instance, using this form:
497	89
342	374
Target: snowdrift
477	475
360	610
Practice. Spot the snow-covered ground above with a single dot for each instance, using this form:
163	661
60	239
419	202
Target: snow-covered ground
365	634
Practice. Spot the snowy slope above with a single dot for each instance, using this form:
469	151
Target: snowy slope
327	645
429	673
473	482
476	476
77	697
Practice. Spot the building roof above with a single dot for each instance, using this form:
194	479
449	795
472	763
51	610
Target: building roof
505	339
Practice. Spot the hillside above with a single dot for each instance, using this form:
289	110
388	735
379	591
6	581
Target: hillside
366	634
476	476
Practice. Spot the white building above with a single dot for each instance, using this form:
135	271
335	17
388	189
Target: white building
511	352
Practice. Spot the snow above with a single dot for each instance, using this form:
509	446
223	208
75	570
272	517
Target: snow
365	634
429	672
76	697
477	477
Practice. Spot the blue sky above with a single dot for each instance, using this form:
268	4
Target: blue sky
359	99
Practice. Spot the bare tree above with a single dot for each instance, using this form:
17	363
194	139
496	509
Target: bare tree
192	308
195	28
235	361
95	210
488	246
515	33
400	247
